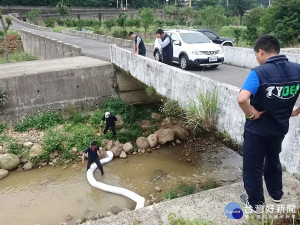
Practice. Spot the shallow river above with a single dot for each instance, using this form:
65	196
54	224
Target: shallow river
47	195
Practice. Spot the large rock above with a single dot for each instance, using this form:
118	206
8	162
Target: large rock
146	124
28	166
164	135
155	116
28	144
117	150
166	123
104	142
9	161
180	132
142	143
115	209
123	155
152	139
120	122
110	145
127	147
3	173
36	150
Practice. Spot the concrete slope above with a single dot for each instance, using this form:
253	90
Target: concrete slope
207	205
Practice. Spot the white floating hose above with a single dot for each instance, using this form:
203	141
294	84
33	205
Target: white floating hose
140	201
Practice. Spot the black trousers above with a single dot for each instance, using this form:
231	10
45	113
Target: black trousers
167	61
111	127
97	161
261	156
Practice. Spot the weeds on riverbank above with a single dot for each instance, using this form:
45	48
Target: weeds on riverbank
2	127
18	57
183	189
175	219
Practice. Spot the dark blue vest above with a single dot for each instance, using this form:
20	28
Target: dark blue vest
167	51
142	48
278	92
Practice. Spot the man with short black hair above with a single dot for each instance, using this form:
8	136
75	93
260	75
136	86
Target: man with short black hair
267	98
139	46
93	157
166	44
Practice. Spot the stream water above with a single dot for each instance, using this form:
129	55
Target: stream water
46	196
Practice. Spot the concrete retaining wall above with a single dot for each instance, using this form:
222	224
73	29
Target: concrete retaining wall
182	86
47	48
55	84
14	19
245	57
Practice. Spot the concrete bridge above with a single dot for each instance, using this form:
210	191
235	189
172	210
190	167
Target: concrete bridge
57	82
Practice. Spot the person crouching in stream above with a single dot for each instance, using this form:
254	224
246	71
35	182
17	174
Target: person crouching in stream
93	157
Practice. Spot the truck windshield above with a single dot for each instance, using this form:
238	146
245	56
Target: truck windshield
194	38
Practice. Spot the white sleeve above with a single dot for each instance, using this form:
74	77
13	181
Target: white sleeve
138	40
164	43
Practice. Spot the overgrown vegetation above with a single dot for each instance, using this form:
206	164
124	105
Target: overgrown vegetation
2	127
18	57
175	219
183	189
34	15
40	121
3	97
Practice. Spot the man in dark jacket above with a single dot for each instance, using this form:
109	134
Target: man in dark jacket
273	89
139	46
166	44
93	157
110	122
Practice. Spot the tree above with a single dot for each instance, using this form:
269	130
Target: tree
252	21
283	20
33	15
211	17
239	7
203	3
5	24
62	7
147	17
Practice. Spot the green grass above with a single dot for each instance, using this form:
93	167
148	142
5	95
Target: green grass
58	29
2	127
18	57
40	121
179	220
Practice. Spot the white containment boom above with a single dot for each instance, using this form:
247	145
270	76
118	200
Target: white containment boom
140	201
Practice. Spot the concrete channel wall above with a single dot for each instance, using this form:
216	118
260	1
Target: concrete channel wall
30	25
182	86
55	84
47	48
105	38
245	57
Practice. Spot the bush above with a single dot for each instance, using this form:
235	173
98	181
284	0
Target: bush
3	97
17	57
252	21
109	23
71	23
14	148
99	30
122	20
33	15
159	23
52	141
60	22
131	133
134	23
119	32
49	22
2	127
40	121
170	23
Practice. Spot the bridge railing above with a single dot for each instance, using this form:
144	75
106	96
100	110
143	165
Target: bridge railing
182	86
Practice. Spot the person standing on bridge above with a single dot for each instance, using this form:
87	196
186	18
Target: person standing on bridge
93	157
166	44
139	46
110	122
267	98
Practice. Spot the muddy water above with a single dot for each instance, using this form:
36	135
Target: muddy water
48	195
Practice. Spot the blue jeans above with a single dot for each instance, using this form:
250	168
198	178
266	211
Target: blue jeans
261	156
